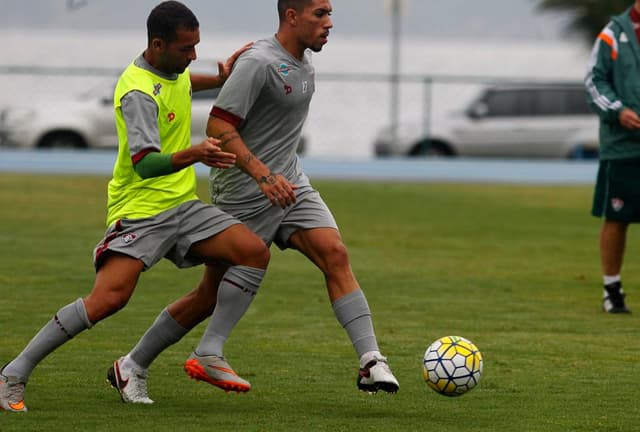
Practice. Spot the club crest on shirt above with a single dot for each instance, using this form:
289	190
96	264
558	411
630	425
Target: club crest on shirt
623	37
156	89
617	204
305	86
288	89
171	116
284	69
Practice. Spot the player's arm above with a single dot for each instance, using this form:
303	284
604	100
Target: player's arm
601	94
140	114
204	82
273	185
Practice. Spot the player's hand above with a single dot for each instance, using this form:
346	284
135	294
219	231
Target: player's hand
629	119
224	69
278	189
209	153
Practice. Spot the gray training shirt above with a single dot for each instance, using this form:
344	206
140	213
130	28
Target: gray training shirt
140	114
267	99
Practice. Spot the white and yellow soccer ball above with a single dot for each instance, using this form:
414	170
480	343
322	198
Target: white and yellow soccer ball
452	365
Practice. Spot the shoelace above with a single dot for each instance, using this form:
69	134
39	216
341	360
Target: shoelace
384	365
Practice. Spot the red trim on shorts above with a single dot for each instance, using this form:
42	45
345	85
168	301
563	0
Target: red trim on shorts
226	116
138	156
105	243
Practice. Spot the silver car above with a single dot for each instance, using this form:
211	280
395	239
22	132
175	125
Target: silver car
83	121
524	121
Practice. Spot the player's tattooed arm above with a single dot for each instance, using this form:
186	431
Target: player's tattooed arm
274	186
268	179
227	137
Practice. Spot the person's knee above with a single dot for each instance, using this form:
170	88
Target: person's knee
256	254
104	305
336	256
614	228
263	255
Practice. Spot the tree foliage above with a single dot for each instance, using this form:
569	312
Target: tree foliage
588	16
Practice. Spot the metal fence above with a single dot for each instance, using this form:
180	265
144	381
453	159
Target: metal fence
347	112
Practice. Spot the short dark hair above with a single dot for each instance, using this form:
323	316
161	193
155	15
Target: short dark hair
298	5
166	18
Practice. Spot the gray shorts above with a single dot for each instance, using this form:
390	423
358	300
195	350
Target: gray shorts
274	224
169	234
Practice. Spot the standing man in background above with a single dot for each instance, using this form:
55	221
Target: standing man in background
153	212
259	116
612	84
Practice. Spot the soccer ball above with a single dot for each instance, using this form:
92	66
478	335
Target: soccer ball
452	365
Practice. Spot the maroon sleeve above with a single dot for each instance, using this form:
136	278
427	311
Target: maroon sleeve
231	118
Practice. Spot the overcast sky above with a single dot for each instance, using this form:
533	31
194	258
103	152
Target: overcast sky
513	19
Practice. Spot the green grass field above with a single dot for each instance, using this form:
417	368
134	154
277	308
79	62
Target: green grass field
513	268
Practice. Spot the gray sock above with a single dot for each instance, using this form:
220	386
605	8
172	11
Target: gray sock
164	332
68	322
235	293
353	313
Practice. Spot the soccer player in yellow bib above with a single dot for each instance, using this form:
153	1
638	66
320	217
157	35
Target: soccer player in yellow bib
259	116
153	213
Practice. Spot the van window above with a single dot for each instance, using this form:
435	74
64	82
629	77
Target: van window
577	102
551	102
543	101
508	103
561	101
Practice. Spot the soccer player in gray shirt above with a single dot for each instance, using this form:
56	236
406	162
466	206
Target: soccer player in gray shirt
258	116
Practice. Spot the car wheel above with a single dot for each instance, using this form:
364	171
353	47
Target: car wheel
431	149
62	140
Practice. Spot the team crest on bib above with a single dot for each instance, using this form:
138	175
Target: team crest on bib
617	204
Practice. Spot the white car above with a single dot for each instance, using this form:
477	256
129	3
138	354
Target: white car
525	121
83	121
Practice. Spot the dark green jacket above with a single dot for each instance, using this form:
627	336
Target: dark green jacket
613	83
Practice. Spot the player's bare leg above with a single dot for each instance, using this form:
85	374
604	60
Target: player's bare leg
114	284
613	236
324	247
240	257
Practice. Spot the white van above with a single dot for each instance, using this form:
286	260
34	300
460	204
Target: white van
523	120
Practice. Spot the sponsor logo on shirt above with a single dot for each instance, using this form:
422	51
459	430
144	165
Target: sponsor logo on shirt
288	89
305	86
284	69
623	37
171	116
156	89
